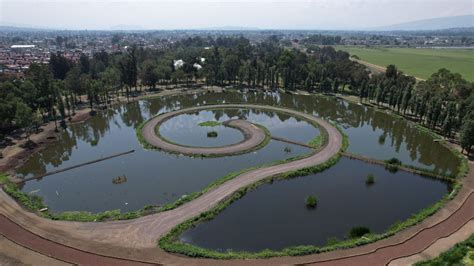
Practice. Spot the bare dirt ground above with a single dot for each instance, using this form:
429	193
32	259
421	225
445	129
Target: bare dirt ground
14	254
14	155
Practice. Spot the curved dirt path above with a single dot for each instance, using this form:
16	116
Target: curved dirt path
136	239
253	135
139	236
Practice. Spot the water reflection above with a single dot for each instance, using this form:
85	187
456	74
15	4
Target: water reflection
158	178
275	216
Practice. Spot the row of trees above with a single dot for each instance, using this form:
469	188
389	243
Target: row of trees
444	102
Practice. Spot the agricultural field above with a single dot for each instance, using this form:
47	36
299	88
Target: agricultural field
418	62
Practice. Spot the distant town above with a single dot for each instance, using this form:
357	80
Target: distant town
19	47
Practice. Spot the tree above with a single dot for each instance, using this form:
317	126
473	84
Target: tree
391	72
37	119
326	85
231	66
467	135
84	64
59	65
24	118
73	83
128	70
110	78
148	73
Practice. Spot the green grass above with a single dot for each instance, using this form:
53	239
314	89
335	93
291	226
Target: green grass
461	254
418	62
316	142
210	124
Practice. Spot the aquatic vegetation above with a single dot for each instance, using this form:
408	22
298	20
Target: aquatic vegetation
210	124
311	201
212	134
370	179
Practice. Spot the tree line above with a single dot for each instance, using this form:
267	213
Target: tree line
55	91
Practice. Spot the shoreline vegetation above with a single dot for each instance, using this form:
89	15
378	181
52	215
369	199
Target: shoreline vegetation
34	203
170	242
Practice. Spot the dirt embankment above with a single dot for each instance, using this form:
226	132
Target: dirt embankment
16	154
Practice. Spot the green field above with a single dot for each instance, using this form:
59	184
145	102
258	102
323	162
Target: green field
420	63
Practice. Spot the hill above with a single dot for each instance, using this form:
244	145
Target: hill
433	24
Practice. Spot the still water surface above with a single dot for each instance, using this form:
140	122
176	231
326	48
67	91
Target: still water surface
157	178
275	215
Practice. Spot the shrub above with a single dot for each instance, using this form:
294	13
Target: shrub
358	231
392	165
311	201
393	161
370	179
212	134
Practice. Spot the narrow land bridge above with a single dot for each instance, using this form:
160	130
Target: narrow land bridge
135	241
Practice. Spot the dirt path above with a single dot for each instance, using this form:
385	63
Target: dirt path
14	254
253	135
28	240
377	68
137	238
440	246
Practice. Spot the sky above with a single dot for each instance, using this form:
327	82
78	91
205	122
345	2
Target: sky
195	14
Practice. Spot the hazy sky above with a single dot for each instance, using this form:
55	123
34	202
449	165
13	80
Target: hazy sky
266	14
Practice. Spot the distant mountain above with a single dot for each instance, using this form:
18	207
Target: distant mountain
433	24
230	28
21	27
